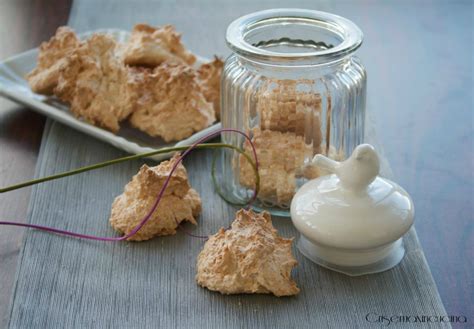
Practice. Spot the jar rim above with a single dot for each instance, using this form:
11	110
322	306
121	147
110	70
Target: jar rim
350	34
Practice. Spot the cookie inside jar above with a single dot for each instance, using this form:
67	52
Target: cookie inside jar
287	136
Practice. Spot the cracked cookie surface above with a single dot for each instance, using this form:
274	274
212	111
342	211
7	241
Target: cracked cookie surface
179	203
250	257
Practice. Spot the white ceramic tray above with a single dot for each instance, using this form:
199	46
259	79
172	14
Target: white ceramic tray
14	86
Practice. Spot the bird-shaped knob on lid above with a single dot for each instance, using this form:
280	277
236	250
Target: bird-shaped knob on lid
355	173
352	220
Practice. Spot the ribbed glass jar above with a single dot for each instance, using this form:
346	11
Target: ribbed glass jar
294	85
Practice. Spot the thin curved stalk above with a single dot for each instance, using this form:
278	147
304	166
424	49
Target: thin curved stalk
124	159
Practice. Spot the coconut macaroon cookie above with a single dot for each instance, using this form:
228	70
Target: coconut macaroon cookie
51	58
104	81
96	84
179	202
150	46
290	106
250	257
281	157
172	104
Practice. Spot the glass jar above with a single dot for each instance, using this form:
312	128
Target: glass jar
294	85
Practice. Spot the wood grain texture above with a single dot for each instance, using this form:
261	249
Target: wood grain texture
69	283
22	26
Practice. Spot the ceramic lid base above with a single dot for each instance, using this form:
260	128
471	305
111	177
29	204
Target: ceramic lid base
354	263
274	211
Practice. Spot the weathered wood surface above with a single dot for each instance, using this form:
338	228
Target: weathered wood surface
68	283
152	283
22	26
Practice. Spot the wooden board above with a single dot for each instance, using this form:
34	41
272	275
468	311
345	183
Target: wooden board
66	283
23	27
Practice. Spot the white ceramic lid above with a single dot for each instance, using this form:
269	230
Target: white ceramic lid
353	208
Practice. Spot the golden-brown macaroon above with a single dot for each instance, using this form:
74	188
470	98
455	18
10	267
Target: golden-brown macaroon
96	84
290	106
250	257
179	202
51	58
150	46
171	104
210	79
282	156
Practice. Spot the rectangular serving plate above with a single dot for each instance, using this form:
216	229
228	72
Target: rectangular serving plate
14	86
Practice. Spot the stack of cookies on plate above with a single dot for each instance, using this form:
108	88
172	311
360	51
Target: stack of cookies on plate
150	80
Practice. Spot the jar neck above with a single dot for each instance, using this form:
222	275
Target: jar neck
293	38
279	70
